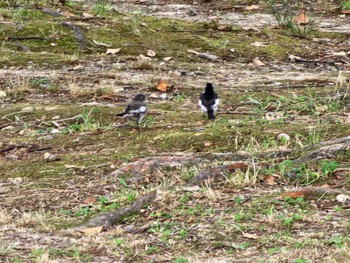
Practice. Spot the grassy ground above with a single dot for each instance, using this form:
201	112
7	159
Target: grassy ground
240	218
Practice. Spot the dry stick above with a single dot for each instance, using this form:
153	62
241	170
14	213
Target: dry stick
25	38
238	113
11	147
31	148
115	217
78	34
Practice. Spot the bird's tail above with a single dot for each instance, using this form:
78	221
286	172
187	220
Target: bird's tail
120	114
211	115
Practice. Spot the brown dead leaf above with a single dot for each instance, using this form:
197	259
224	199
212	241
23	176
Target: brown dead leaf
257	62
161	85
293	194
251	236
89	200
269	180
92	231
234	166
300	18
252	7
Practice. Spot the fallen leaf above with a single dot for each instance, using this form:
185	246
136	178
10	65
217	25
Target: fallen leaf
89	200
87	15
191	188
234	166
340	53
98	43
269	180
167	58
192	51
92	231
112	51
252	7
293	194
257	62
207	144
151	53
258	44
251	236
161	85
67	14
321	109
346	12
300	18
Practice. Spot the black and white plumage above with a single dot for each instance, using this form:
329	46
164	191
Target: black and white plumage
136	110
209	101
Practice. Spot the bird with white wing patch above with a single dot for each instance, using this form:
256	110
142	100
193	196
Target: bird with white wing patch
136	109
209	101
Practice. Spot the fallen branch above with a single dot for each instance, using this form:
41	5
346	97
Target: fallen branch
25	38
328	151
115	217
11	147
238	113
324	60
311	191
31	148
78	34
213	174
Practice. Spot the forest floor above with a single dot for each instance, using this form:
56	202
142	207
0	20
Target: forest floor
267	181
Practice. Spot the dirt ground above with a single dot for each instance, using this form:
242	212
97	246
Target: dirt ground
267	181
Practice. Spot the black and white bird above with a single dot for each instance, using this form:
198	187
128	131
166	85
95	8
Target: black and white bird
135	110
209	101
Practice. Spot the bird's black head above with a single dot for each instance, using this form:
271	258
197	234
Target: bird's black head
140	97
209	89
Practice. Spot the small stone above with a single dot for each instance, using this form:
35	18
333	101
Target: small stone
342	198
129	228
143	57
12	157
17	180
2	94
44	138
54	131
283	137
49	157
191	12
27	109
79	68
163	96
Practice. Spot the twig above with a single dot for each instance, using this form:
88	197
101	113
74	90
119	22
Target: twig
238	113
11	147
78	34
25	38
115	217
